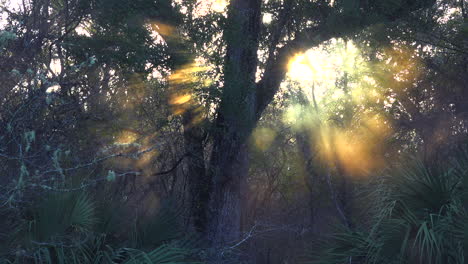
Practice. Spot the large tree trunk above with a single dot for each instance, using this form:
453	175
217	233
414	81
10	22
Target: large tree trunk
235	120
224	227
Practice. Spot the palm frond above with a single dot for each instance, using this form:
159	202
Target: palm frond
419	216
62	213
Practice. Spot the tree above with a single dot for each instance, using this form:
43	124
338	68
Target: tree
104	71
244	99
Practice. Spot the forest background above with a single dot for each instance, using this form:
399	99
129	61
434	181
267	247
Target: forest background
242	131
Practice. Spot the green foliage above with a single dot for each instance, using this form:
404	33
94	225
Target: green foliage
60	214
161	227
6	37
162	254
417	217
70	227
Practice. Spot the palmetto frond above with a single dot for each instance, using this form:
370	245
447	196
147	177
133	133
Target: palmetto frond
418	217
65	228
60	214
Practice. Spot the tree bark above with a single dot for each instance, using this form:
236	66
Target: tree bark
199	182
235	120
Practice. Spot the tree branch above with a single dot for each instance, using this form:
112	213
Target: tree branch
173	167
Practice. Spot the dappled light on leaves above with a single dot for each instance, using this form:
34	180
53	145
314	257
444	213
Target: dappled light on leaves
367	91
126	137
400	67
267	18
83	29
133	152
205	7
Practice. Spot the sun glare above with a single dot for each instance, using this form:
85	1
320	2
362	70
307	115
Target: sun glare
267	18
354	141
219	5
312	69
204	7
300	69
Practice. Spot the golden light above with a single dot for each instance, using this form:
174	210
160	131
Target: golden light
182	83
219	5
161	32
130	142
205	7
299	69
145	162
186	74
292	115
126	137
315	68
263	137
179	99
401	66
356	146
163	29
358	150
